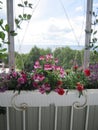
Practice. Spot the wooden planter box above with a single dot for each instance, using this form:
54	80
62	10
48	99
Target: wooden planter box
35	98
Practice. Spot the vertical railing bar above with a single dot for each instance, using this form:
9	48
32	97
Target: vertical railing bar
71	118
87	116
39	124
24	120
7	116
56	109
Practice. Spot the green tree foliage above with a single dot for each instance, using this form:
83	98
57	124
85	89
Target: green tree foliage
26	61
67	57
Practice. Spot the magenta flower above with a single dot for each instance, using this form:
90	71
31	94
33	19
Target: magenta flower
35	84
37	65
21	80
44	88
38	77
49	57
42	58
56	60
24	76
14	74
47	67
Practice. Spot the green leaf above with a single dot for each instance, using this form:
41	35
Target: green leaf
13	33
25	2
20	16
24	15
7	27
95	32
3	50
1	2
7	42
2	35
17	21
29	16
96	20
20	5
30	5
1	22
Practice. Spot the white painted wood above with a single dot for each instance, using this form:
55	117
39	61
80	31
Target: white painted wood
7	110
39	122
71	119
24	120
10	20
55	126
35	98
87	116
88	32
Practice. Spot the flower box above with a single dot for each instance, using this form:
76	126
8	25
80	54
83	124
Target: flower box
34	98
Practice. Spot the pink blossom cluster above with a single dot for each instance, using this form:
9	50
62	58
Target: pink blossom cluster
47	75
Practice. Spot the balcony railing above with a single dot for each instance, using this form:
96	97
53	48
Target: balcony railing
35	111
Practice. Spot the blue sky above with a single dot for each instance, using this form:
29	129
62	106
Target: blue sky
53	23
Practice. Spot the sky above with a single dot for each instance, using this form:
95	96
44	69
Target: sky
54	23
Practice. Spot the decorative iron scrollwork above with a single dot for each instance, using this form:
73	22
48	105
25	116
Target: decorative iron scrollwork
20	107
78	105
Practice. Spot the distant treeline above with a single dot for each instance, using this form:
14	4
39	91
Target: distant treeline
66	56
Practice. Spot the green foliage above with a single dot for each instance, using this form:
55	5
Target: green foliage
23	16
94	40
5	28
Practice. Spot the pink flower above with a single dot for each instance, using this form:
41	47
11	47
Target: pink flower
35	84
49	57
44	88
21	80
38	77
14	74
24	76
37	65
56	60
62	73
42	58
47	67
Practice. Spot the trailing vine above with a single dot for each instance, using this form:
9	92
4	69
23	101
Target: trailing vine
94	39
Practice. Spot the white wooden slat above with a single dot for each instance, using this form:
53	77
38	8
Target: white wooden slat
39	123
87	116
24	120
7	116
71	118
56	109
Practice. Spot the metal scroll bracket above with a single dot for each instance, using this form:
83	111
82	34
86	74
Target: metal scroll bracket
21	107
78	105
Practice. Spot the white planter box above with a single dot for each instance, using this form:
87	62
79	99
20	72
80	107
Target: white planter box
35	98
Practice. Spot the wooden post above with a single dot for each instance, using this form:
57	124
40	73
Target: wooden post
88	33
10	20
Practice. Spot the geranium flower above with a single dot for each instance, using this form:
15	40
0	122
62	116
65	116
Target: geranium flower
60	91
38	77
44	88
47	67
37	65
21	80
79	87
87	72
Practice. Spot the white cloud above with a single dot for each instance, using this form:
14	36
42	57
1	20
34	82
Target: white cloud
80	8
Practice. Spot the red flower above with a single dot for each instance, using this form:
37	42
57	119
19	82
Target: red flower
75	67
87	72
60	91
80	87
59	83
